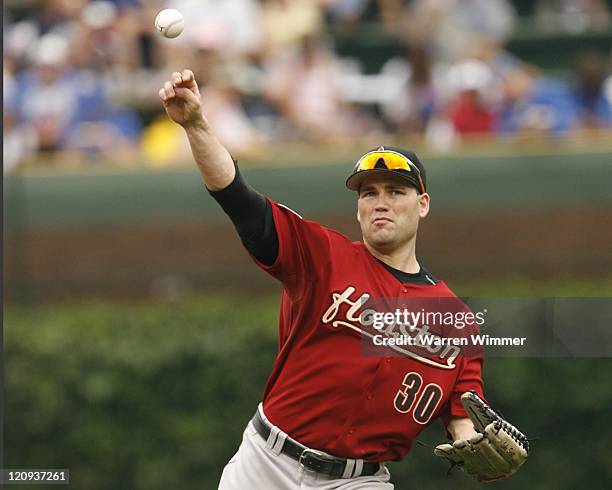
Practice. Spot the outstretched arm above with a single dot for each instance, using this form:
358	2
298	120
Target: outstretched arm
248	209
181	98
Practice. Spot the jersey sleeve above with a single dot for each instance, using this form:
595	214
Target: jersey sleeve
303	250
469	379
470	374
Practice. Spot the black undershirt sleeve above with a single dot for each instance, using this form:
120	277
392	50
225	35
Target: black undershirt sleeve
251	214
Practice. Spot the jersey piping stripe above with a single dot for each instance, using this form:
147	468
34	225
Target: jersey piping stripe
430	279
289	209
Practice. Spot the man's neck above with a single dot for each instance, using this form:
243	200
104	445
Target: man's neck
403	259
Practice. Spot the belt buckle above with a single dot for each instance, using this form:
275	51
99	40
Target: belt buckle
313	452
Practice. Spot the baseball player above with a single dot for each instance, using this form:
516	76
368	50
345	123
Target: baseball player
331	416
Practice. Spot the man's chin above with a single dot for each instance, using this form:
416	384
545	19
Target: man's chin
381	239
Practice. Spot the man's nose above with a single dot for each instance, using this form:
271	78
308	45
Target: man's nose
381	202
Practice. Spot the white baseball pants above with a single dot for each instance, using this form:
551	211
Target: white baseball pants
259	466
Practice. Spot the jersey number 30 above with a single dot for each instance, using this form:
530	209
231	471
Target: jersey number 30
424	402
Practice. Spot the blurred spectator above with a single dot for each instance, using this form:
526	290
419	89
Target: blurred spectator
226	113
462	94
534	103
471	110
452	27
57	15
595	107
84	74
287	22
390	13
97	44
164	141
60	103
304	86
19	141
135	26
411	109
19	40
348	15
234	25
47	96
572	15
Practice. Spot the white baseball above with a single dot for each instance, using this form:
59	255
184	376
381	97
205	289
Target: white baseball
169	23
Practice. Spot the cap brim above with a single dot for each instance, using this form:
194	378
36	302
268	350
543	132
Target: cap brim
355	180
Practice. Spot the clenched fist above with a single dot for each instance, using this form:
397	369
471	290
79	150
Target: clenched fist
181	98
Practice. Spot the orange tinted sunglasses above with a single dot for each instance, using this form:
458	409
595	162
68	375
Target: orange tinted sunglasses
392	161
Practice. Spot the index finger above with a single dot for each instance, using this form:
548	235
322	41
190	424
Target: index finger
189	80
188	76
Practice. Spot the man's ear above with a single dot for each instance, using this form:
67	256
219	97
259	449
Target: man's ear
424	200
358	217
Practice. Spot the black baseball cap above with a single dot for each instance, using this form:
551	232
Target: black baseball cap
414	174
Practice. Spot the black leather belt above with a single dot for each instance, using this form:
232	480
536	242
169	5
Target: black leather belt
311	459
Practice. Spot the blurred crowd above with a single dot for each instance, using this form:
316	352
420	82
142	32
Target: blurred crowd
81	77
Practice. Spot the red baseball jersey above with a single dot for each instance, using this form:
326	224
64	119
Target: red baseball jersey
323	390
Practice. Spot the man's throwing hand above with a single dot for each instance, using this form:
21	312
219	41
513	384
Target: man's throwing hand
495	453
181	99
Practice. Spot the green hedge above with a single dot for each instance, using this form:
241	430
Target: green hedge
156	397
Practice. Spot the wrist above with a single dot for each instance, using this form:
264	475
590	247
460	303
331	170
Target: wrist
198	126
461	428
